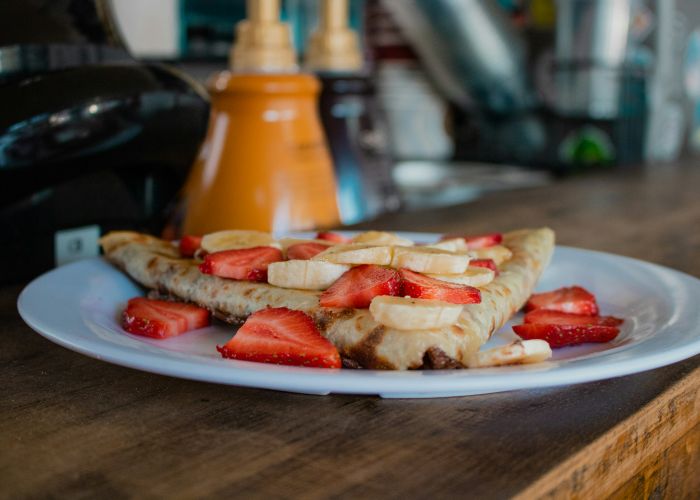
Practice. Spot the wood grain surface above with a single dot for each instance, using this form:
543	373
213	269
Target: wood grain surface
72	426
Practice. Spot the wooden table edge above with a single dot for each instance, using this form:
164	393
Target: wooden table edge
600	468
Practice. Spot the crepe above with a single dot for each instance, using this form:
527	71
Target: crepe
361	341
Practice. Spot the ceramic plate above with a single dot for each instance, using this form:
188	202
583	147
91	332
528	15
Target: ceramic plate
78	306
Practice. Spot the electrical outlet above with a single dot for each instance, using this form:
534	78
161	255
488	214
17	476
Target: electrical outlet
76	243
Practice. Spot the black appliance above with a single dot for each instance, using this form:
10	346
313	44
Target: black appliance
90	139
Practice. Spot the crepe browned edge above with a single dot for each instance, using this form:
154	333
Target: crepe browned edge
156	264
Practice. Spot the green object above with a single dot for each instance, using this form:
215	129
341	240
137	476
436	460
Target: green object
587	146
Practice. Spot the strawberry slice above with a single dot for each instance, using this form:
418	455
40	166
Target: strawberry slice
420	286
241	264
575	299
281	336
479	240
563	335
483	240
544	316
189	245
304	251
487	263
162	319
358	286
334	237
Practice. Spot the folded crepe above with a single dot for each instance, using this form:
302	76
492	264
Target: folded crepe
362	342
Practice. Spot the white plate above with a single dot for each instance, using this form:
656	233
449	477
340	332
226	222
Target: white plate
78	307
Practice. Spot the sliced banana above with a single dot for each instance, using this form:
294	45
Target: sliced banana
406	313
234	239
356	254
304	274
381	238
498	253
430	260
451	245
473	276
517	352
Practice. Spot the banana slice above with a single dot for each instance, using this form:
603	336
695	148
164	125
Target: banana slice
498	253
356	254
451	245
473	276
405	313
430	260
517	352
304	274
381	238
230	240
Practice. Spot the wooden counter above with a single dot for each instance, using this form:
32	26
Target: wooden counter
74	426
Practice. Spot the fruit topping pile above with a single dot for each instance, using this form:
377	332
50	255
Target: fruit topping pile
428	280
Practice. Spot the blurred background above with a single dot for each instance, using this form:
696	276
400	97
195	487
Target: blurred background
162	115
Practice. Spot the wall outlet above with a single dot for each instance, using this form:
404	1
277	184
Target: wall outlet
76	243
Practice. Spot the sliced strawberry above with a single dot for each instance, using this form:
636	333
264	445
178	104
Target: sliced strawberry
161	318
334	237
241	264
483	240
281	336
141	318
419	286
544	316
304	251
487	263
563	335
478	240
196	317
575	299
358	286
189	245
